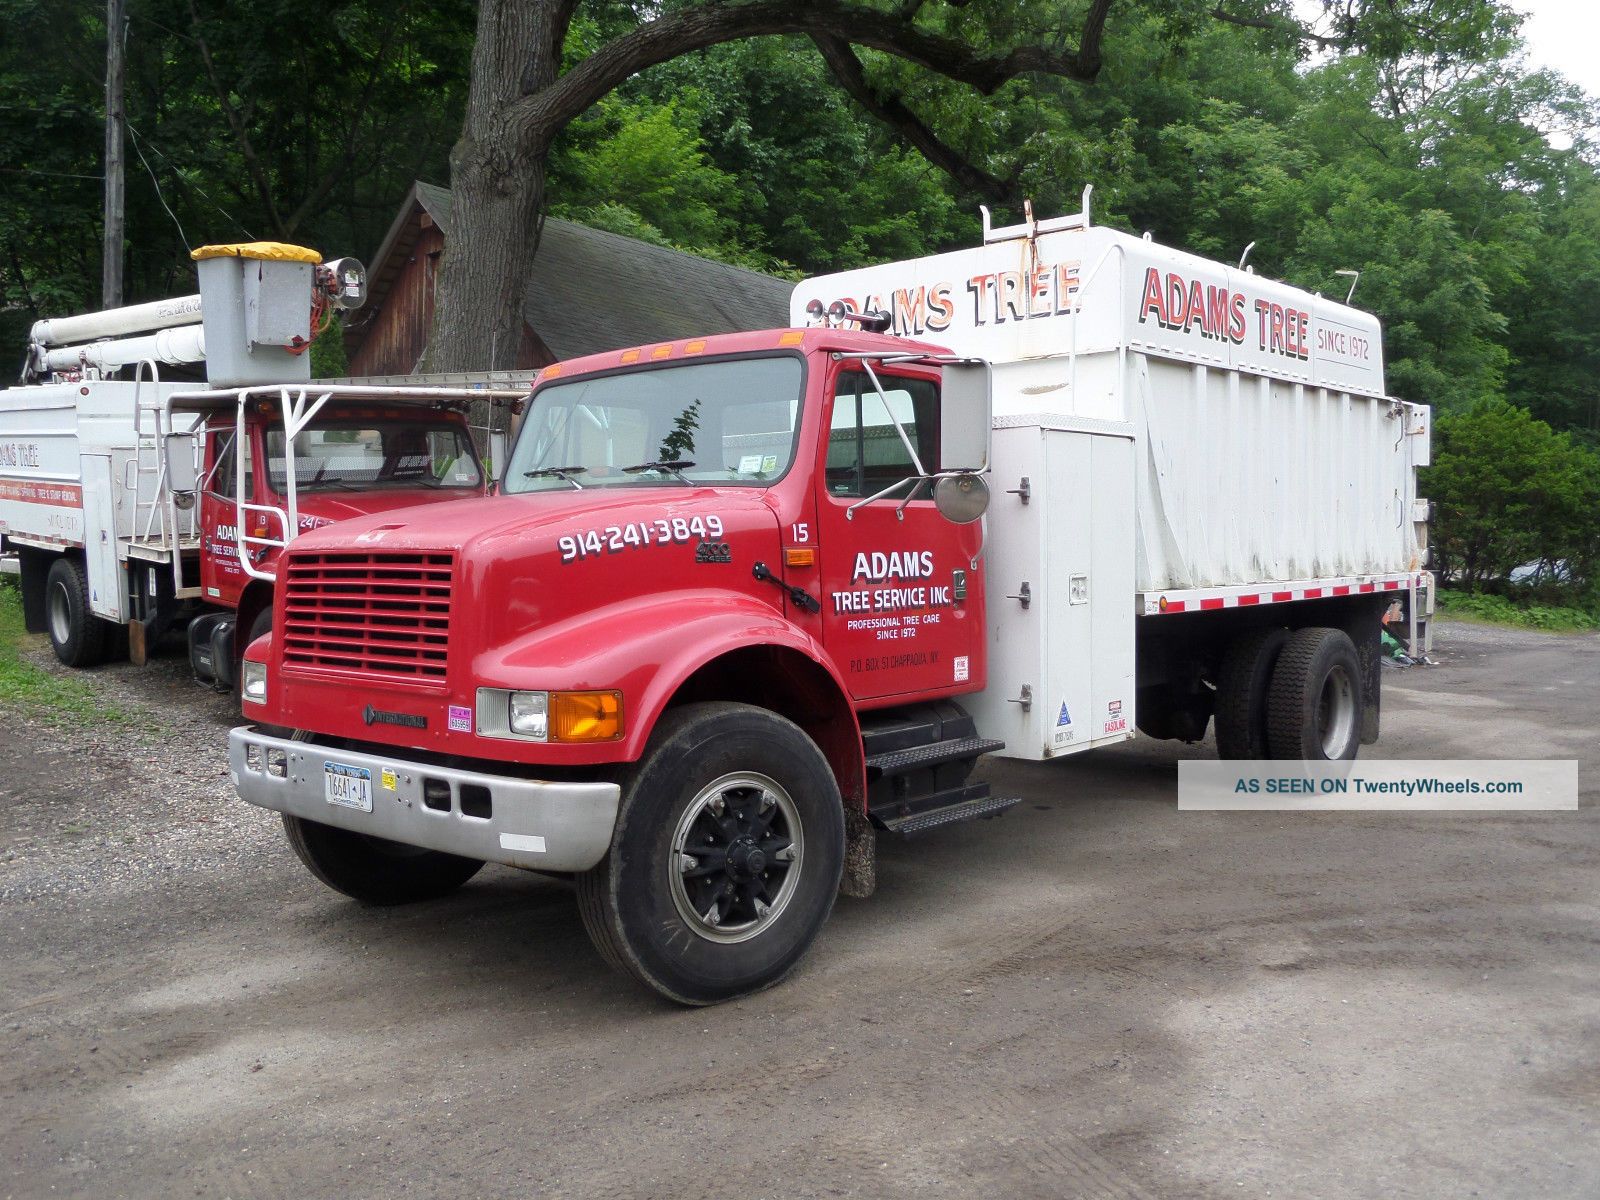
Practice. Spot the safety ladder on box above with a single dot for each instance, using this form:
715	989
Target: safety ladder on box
161	531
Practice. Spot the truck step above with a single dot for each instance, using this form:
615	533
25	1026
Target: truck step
931	755
977	808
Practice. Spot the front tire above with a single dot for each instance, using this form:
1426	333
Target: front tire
375	870
726	856
76	634
1314	707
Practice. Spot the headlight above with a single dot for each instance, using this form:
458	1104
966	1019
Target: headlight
253	685
530	714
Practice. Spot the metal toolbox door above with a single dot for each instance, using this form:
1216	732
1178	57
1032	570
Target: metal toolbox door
100	538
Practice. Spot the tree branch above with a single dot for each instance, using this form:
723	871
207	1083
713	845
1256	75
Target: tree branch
258	173
545	112
1280	25
847	69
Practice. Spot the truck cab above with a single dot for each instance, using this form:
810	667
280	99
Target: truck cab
361	454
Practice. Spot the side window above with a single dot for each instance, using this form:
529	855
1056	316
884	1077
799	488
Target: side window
865	452
222	475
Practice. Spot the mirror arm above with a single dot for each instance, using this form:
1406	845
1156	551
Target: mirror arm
916	461
850	513
900	513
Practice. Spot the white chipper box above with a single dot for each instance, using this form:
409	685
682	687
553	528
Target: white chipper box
1172	435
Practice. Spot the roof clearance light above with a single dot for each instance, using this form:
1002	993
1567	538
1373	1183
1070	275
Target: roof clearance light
792	338
585	716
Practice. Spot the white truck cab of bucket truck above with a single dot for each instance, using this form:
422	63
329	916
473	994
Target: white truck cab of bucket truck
1204	498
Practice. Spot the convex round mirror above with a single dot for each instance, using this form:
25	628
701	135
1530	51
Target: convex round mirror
961	498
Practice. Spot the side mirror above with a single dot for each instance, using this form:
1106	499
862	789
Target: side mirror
961	498
497	456
965	417
182	462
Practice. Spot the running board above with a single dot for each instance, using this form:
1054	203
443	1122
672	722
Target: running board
932	754
976	808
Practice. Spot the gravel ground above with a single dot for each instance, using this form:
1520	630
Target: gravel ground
160	767
1096	996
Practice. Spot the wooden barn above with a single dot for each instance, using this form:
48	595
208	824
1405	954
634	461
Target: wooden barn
576	301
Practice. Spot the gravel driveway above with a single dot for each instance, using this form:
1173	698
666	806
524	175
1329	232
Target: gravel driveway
1095	996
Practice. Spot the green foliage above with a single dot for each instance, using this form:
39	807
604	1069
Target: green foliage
1510	491
310	122
328	358
1516	612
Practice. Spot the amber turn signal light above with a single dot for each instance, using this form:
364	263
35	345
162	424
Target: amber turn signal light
585	716
799	558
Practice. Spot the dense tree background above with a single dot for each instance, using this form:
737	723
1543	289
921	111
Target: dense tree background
1461	183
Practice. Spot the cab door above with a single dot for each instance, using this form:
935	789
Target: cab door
222	580
902	590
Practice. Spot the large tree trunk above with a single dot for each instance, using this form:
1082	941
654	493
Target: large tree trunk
497	177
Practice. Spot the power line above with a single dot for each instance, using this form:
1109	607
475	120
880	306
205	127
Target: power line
139	150
176	170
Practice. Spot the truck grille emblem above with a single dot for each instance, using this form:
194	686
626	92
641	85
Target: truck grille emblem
378	716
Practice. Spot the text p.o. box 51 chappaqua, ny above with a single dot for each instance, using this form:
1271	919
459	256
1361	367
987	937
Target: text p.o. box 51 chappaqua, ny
1444	785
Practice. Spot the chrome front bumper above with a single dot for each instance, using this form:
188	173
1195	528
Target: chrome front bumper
546	826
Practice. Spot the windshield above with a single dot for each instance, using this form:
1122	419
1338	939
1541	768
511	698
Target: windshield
351	455
730	422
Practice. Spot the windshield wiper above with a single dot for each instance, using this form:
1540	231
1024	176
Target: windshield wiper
675	468
565	474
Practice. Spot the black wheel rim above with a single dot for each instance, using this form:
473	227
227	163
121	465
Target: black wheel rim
736	857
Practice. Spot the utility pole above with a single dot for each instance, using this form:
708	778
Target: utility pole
116	119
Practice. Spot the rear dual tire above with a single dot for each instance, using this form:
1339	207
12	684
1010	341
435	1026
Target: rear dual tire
1295	696
1314	707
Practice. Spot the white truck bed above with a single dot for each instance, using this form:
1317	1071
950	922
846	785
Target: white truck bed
1172	435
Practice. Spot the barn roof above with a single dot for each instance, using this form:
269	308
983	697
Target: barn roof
592	290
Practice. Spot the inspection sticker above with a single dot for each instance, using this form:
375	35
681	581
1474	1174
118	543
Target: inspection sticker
460	718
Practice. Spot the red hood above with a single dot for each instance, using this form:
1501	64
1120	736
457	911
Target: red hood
536	558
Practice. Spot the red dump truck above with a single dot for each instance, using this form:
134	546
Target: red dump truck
744	603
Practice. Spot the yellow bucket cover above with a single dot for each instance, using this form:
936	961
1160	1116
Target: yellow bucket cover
265	251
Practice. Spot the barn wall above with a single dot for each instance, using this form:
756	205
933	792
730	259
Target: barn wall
397	336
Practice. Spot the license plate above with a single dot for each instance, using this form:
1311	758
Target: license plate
348	787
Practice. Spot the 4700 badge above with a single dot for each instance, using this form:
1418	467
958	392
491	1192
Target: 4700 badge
614	539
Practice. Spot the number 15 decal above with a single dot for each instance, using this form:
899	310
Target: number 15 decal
800	533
